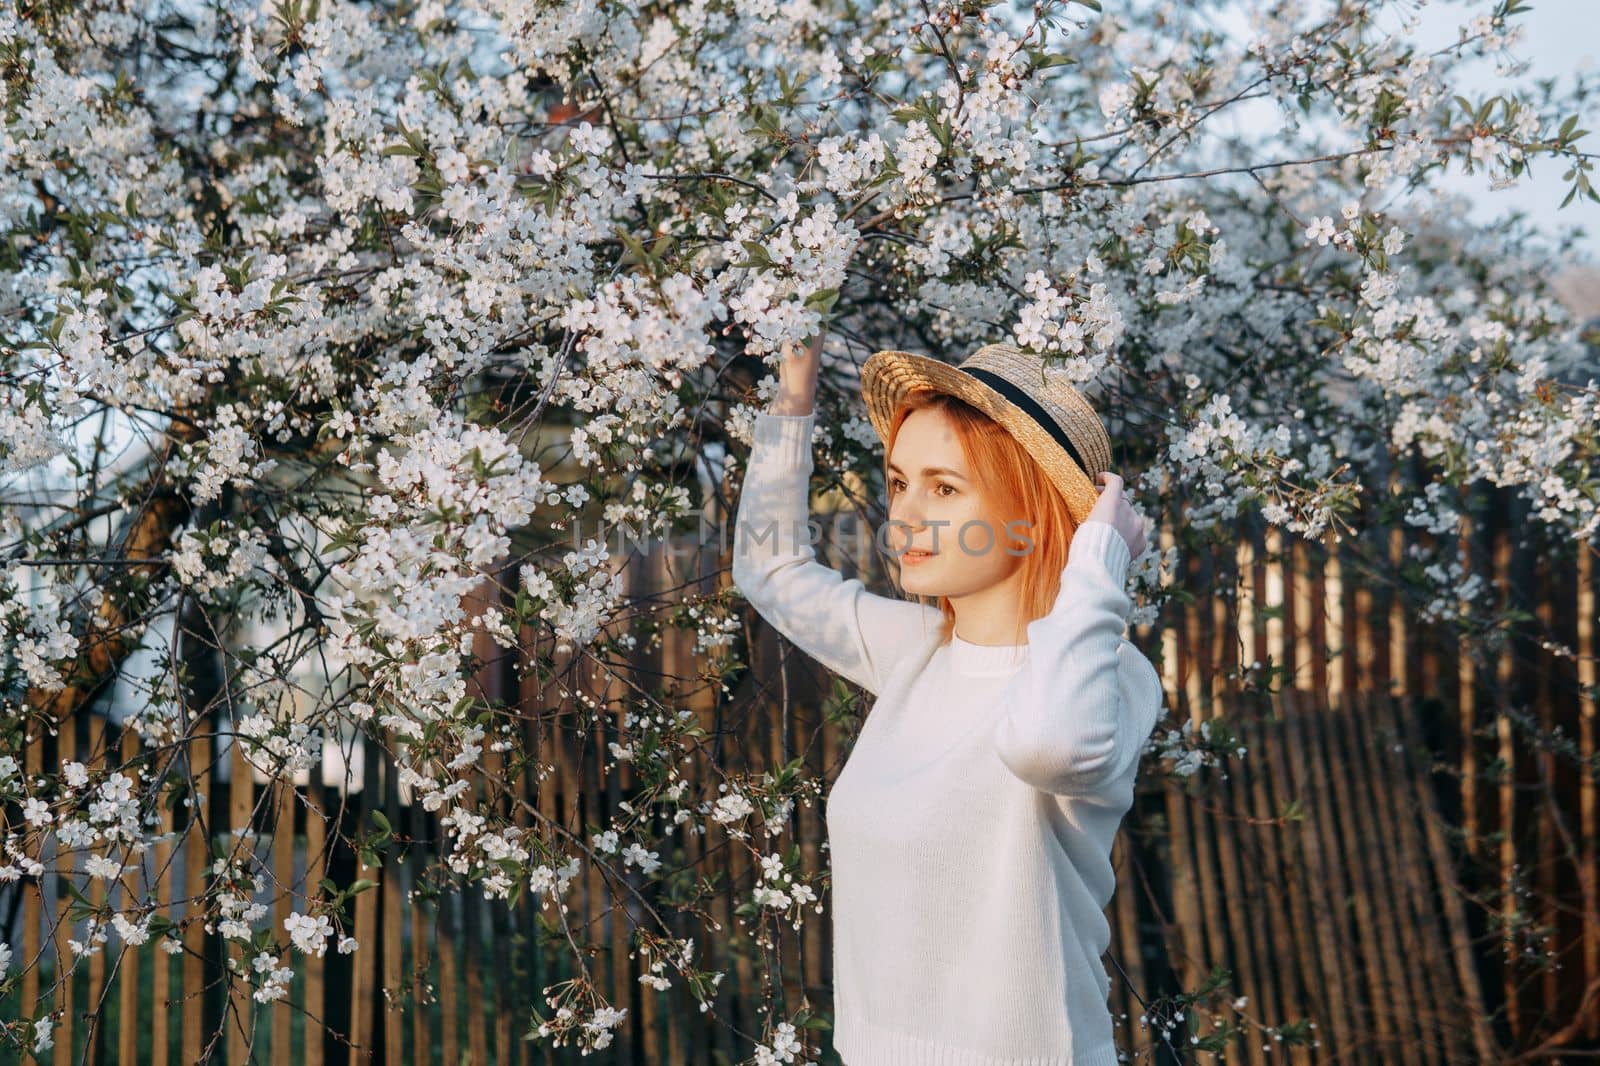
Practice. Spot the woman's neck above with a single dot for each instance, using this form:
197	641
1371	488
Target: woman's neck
992	615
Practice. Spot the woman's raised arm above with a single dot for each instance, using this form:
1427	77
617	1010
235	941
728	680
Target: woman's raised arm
835	620
1077	716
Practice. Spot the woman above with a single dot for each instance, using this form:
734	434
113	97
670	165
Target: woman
970	829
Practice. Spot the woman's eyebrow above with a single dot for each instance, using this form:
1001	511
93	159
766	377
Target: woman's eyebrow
932	471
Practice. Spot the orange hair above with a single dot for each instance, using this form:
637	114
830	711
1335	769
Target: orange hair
1013	485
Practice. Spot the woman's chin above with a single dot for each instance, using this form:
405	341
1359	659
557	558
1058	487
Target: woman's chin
915	581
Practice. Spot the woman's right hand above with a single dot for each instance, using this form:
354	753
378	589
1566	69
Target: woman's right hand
1114	509
797	378
797	374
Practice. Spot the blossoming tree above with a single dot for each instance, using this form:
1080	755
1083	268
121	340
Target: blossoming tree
292	288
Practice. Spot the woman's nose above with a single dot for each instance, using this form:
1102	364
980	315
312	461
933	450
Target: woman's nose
904	509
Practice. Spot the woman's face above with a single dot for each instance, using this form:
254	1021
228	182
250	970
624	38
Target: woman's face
958	538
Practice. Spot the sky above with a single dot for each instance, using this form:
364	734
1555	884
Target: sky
1561	38
1559	41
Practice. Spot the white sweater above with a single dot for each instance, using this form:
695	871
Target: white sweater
970	829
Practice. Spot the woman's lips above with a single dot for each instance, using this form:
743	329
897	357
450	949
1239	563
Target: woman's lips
916	555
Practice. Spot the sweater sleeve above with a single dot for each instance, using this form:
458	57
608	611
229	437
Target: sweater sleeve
1078	713
835	620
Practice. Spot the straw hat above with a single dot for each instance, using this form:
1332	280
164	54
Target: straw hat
1046	415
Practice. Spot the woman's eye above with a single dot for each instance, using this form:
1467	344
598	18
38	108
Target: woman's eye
896	485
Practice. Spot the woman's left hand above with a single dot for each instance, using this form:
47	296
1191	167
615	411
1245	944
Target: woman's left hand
1114	509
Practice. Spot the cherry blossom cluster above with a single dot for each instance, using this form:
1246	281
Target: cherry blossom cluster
329	327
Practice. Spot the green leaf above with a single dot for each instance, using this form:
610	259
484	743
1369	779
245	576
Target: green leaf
758	253
822	300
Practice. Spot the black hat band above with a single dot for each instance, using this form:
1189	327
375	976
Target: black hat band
1031	407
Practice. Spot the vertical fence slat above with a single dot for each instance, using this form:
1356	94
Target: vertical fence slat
162	857
413	822
1367	643
1251	839
1410	804
1461	953
1189	959
1564	709
1588	646
239	838
128	981
393	995
472	968
1327	956
530	708
1349	890
316	806
1334	631
282	802
1317	988
196	863
1387	1001
445	950
614	777
1288	949
1195	667
364	975
1240	899
1416	1018
66	867
1126	946
1478	749
95	1030
547	732
500	959
1505	677
34	904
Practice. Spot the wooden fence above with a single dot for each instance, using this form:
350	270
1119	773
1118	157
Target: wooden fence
1436	897
1362	866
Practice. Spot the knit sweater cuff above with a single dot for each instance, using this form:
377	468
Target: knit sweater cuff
783	439
1103	543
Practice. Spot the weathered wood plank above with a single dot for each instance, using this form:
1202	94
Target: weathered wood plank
1317	848
1290	949
284	800
34	904
1405	925
1449	893
196	864
66	870
391	905
364	975
315	798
